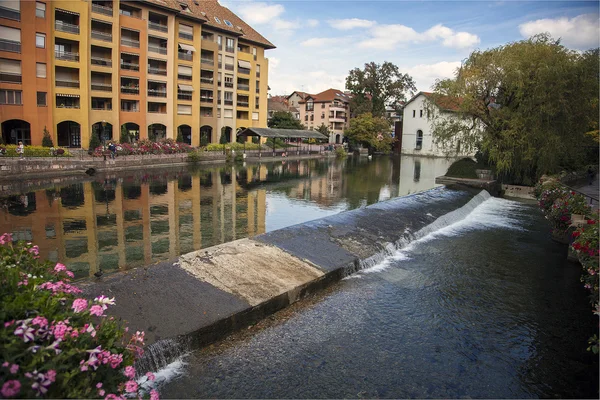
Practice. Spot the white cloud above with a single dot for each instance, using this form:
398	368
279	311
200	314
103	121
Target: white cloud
387	37
426	74
581	31
285	25
312	23
322	42
259	13
351	23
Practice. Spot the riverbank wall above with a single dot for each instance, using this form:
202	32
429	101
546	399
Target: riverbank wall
204	295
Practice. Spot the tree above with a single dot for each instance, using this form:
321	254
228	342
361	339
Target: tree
376	86
323	129
47	139
94	140
284	120
179	138
527	107
124	138
372	132
223	138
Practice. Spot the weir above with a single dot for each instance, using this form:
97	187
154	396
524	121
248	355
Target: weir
207	294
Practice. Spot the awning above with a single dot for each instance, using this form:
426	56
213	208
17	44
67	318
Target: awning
282	133
66	12
131	54
186	47
183	70
67	95
244	64
185	88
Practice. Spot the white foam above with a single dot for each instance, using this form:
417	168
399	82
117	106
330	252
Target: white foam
164	375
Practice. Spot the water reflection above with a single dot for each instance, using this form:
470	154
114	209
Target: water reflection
126	220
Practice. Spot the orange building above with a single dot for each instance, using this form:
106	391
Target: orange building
128	69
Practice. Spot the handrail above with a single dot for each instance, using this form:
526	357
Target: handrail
590	197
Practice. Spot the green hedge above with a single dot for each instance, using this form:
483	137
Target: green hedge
33	151
232	146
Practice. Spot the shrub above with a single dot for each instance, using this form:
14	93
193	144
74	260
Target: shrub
232	146
94	140
194	157
35	151
147	147
465	168
179	138
559	214
124	137
340	152
47	140
55	343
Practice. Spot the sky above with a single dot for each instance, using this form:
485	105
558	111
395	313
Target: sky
318	42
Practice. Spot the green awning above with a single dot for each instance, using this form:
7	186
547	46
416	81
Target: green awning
282	133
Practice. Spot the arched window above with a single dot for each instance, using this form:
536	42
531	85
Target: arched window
419	143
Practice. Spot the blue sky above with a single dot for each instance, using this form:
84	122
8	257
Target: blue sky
318	42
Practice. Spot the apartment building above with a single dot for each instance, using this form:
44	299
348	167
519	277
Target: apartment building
150	69
331	107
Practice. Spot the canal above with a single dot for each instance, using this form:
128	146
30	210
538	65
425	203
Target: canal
487	307
120	221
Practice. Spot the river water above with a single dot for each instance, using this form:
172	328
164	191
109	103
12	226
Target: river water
120	221
487	307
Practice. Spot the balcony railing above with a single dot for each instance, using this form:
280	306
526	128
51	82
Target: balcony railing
244	71
103	87
10	14
9	45
107	37
228	102
157	92
206	99
130	42
130	89
185	56
210	61
219	83
207	80
229	84
242	86
157	49
184	95
184	77
68	106
67	83
66	56
257	90
229	67
66	27
107	107
158	27
186	36
10	77
97	8
229	49
104	62
157	71
130	66
242	103
157	110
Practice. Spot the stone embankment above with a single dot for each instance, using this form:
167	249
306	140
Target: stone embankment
209	293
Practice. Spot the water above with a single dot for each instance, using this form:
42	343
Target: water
487	307
120	221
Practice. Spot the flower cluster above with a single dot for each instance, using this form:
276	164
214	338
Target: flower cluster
146	147
55	342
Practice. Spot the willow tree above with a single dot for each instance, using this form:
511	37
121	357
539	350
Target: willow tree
527	107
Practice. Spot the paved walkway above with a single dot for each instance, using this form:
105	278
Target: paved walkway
592	190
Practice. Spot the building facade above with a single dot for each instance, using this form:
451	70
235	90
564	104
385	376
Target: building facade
132	69
331	108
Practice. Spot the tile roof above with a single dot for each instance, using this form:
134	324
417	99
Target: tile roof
445	103
274	105
301	94
327	96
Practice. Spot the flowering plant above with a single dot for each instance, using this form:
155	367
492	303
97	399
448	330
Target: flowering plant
563	207
145	147
54	342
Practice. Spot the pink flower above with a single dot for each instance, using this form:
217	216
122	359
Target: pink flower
35	250
14	369
129	372
60	267
112	397
10	388
9	323
40	321
150	376
116	360
61	329
51	375
98	385
79	305
5	364
101	392
70	274
131	386
6	238
96	310
154	395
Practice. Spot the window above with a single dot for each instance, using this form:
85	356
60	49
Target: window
220	41
228	23
40	9
130	105
414	113
256	102
11	39
228	113
42	99
10	70
306	117
40	70
14	97
186	32
420	113
254	116
254	53
184	109
40	40
419	143
257	70
310	105
322	115
322	105
218	20
229	44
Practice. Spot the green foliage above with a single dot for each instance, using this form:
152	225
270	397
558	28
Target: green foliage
370	131
284	120
94	139
340	152
53	341
124	137
377	85
233	146
223	139
35	151
323	129
465	168
195	156
46	139
516	103
179	138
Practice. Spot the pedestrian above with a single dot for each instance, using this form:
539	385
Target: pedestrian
591	174
113	150
21	150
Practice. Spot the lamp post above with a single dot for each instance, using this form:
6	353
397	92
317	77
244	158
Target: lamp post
104	139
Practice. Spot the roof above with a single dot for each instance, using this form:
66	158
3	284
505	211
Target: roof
209	9
445	103
274	105
302	95
328	96
282	133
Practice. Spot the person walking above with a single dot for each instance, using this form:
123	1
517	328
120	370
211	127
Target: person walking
21	150
113	150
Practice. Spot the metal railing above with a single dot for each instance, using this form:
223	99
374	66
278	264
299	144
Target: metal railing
158	27
592	200
66	27
130	42
68	106
105	108
244	71
185	56
67	83
157	92
10	14
242	86
243	103
107	37
229	67
186	36
9	45
102	9
207	99
103	87
184	77
66	56
130	89
104	62
210	61
130	66
230	49
181	95
228	102
157	71
207	80
10	77
229	84
157	49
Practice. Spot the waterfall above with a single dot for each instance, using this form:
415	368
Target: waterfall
160	354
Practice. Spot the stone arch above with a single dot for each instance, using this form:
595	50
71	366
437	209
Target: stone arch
68	134
104	131
15	131
206	135
337	139
133	130
157	132
226	130
239	139
186	133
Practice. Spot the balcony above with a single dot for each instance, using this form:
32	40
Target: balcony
67	102
66	56
100	9
157	26
228	84
208	80
69	83
242	86
101	104
157	71
228	102
229	49
10	13
206	96
184	77
157	92
130	66
10	77
130	89
103	62
244	71
242	103
102	87
157	49
181	95
130	42
185	56
205	60
66	27
157	108
229	67
186	36
99	35
9	45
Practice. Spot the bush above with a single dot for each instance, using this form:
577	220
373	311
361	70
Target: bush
232	146
340	152
55	343
124	137
194	157
147	147
559	214
179	138
47	140
35	151
465	168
